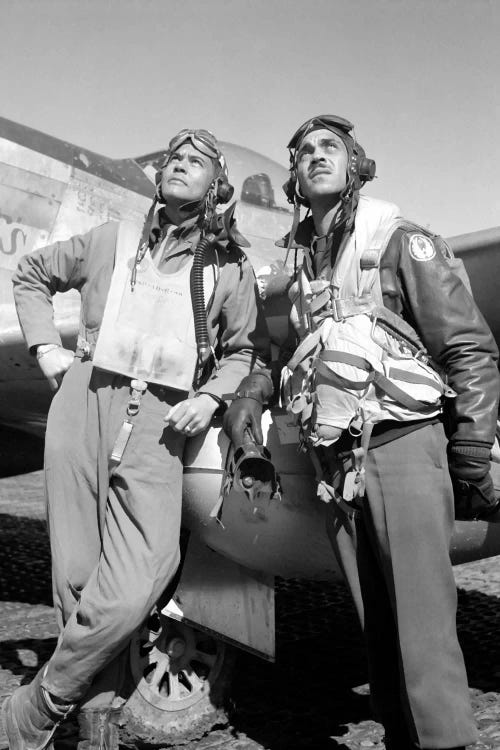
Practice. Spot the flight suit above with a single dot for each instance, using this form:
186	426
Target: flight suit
114	529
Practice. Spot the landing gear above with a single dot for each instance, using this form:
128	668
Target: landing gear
181	677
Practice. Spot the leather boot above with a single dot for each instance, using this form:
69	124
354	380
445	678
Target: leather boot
30	717
98	728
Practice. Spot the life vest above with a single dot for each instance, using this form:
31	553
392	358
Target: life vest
148	333
357	363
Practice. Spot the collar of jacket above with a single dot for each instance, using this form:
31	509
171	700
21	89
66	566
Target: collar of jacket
306	233
223	228
303	236
160	224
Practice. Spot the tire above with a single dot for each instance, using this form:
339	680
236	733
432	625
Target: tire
180	679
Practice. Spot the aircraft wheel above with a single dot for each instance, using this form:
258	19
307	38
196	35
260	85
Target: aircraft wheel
181	677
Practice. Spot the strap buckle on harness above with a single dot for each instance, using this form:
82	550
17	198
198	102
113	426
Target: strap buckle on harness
83	348
346	307
138	387
338	309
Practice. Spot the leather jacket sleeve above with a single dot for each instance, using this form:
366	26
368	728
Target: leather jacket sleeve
421	287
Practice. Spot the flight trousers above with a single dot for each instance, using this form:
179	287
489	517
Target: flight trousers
397	565
114	529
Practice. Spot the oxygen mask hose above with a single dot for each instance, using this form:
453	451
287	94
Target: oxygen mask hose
198	300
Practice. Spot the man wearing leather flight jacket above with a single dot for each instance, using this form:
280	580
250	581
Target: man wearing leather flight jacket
420	469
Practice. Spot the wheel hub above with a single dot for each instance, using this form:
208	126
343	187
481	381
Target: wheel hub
176	648
173	665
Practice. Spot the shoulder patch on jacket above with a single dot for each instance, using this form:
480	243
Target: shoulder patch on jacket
421	247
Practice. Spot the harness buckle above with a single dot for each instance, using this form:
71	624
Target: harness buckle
337	309
138	387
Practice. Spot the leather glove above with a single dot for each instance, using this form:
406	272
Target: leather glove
242	419
475	498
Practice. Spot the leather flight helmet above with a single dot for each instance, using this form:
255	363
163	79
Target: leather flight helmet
205	142
360	168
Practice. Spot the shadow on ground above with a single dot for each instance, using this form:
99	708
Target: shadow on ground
316	688
20	453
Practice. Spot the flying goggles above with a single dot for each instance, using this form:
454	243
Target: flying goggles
329	122
203	140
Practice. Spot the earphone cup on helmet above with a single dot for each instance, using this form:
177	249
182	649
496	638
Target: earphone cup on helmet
366	169
289	188
292	193
362	167
225	191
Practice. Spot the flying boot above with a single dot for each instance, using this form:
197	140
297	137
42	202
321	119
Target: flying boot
31	716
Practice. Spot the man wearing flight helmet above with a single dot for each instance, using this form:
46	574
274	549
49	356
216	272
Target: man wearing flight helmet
125	404
391	350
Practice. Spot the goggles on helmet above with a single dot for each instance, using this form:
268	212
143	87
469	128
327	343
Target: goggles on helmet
203	140
329	122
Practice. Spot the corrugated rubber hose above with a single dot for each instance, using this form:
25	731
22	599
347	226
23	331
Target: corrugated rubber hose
198	300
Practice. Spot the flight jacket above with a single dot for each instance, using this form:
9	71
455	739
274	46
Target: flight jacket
428	295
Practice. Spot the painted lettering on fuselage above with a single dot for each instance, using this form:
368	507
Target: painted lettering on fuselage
17	239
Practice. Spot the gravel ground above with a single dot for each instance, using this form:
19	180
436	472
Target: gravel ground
315	696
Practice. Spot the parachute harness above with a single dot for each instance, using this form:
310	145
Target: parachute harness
357	364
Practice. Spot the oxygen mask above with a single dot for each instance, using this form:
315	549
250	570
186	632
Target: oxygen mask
253	470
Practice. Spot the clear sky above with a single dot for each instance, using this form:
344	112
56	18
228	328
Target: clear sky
419	78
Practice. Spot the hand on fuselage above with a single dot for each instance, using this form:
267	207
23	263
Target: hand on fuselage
193	415
54	364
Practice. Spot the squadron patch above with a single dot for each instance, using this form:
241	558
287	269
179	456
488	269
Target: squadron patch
421	248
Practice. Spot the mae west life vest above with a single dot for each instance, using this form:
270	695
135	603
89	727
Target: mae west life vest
148	333
357	363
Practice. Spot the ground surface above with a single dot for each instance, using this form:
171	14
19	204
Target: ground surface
314	696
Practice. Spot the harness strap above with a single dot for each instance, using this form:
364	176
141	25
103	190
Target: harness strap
394	372
305	349
327	492
396	393
341	382
320	301
378	378
333	355
414	377
346	307
370	259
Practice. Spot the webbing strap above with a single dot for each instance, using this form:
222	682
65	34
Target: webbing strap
320	301
386	385
414	377
339	381
396	393
347	307
370	259
333	355
305	349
